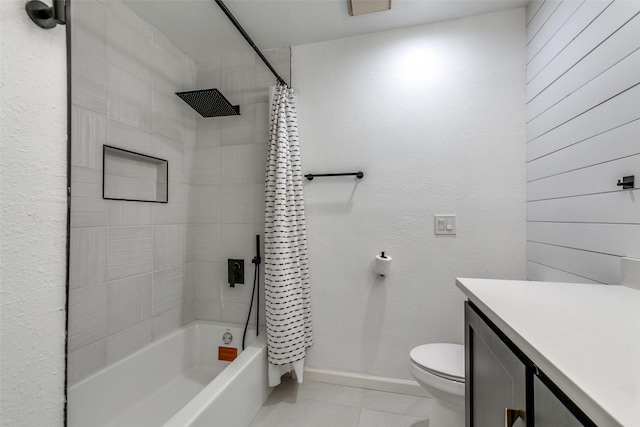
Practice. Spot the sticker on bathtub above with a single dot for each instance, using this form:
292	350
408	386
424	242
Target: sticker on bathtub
227	354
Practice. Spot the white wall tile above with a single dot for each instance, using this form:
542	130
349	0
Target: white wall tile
203	242
174	212
204	204
86	308
241	203
208	74
71	368
170	64
129	138
135	87
85	189
129	213
261	126
171	116
188	312
128	341
234	312
168	290
190	278
208	132
89	80
87	257
167	322
86	331
90	359
173	152
83	362
238	130
124	260
237	78
206	166
208	310
87	293
168	246
129	99
129	41
240	165
238	241
129	302
89	21
90	133
208	279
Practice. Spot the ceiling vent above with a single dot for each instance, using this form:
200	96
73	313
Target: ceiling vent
360	7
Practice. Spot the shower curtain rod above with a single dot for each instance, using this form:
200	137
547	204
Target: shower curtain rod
235	22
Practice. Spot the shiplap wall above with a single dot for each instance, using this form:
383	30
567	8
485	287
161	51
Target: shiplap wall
583	134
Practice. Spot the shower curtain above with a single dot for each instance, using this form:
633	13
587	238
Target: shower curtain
287	294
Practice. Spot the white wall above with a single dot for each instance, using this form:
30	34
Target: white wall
33	121
434	116
583	127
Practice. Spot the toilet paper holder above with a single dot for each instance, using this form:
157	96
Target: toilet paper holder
382	264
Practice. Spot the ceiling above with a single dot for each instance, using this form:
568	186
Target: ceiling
203	32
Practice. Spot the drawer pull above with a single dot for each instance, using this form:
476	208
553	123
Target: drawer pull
511	415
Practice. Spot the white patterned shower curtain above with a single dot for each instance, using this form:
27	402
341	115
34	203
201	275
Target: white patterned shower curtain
287	293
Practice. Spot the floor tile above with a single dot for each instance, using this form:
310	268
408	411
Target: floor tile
307	413
350	396
371	418
312	404
391	402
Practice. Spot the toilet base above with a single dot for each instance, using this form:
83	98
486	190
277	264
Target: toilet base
444	416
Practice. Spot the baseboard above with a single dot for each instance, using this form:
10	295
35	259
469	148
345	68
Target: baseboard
369	382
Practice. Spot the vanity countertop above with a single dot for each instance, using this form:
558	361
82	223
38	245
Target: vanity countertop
584	337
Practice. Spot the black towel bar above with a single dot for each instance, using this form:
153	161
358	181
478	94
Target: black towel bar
358	174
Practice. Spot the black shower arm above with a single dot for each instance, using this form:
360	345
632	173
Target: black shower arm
235	22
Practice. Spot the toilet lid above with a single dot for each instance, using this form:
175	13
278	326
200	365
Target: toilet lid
445	360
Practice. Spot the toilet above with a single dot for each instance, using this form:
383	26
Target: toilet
439	369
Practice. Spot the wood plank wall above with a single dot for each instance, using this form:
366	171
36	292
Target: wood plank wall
583	134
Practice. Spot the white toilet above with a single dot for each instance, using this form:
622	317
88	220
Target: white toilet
439	369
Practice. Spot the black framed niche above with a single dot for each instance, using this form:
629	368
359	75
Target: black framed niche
127	175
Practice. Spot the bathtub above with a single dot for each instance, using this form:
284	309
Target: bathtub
177	381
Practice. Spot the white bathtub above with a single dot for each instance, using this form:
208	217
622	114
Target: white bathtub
177	381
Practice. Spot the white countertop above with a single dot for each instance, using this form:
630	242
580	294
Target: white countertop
585	338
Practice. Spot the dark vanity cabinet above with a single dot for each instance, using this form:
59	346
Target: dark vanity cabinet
504	388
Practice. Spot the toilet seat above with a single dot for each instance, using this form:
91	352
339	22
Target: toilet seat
441	359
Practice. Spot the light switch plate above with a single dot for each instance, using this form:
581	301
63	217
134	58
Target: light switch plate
444	224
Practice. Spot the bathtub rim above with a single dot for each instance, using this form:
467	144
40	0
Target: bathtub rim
190	412
182	329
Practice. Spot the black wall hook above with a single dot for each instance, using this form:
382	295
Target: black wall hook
627	182
47	16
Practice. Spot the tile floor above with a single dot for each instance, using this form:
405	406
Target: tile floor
314	404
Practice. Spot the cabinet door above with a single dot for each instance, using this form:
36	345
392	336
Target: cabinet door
495	377
549	410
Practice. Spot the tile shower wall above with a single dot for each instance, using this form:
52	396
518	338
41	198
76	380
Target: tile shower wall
140	270
226	191
127	264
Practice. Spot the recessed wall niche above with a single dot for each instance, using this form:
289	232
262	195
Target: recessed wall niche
133	176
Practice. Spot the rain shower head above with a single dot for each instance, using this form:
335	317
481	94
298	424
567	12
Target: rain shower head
209	103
